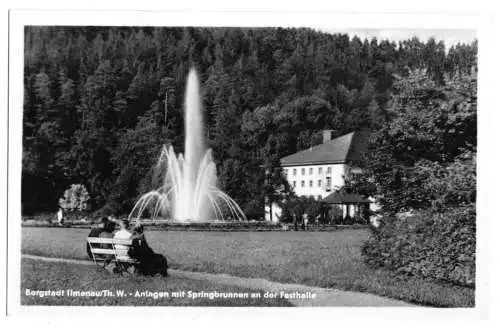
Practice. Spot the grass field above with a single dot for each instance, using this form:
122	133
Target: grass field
62	276
324	259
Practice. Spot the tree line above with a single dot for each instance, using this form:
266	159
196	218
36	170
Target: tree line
99	102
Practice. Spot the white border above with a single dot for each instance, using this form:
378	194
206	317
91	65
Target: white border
246	19
68	315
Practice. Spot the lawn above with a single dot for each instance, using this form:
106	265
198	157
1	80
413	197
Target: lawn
65	277
324	259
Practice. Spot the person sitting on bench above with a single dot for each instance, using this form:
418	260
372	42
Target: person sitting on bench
150	263
109	229
123	233
96	232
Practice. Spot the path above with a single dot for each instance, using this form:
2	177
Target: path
324	296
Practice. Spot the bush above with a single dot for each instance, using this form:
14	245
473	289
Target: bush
41	217
106	210
336	214
254	210
436	246
300	205
216	226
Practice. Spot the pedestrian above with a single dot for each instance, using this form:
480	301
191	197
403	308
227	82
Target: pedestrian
305	221
60	217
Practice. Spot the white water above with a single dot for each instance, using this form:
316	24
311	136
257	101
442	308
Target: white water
189	190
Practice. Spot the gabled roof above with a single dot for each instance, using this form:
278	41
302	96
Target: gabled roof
343	198
343	149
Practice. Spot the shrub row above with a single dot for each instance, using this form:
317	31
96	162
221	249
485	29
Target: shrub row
249	225
68	216
437	246
48	221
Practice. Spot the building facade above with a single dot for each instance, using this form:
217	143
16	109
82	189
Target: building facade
317	180
321	170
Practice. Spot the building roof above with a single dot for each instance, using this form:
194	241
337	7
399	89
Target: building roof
343	149
343	198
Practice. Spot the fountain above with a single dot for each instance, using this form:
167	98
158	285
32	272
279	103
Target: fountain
189	192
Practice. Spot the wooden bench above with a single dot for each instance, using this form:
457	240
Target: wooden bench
108	250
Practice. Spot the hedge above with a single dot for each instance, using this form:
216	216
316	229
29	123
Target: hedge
79	221
440	247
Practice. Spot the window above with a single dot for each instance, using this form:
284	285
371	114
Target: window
302	183
328	170
328	183
320	170
294	172
286	172
310	171
295	184
310	183
319	183
303	171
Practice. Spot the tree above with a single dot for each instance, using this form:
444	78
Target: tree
425	157
75	198
133	160
298	206
94	97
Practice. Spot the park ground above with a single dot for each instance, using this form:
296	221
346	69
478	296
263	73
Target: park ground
316	259
137	290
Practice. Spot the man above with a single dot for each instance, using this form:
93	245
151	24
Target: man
95	232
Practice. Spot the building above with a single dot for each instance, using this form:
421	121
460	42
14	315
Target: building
321	170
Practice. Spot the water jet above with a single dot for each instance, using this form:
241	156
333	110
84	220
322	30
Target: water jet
189	191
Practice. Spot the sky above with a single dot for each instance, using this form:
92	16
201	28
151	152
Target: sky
449	36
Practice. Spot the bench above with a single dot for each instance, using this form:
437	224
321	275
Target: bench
108	250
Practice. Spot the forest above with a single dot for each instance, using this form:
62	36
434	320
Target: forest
99	103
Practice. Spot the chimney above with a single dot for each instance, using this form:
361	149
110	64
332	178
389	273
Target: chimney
327	135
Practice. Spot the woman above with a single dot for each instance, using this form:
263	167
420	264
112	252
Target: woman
150	263
124	234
